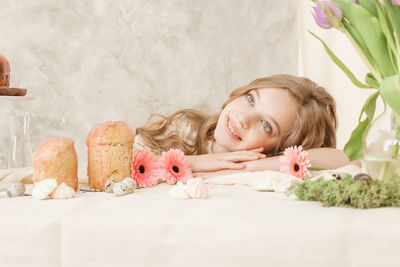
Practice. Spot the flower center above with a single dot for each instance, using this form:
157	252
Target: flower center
175	169
296	167
141	169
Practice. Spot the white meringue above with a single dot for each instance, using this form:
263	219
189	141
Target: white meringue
16	189
265	184
178	191
196	188
44	188
63	191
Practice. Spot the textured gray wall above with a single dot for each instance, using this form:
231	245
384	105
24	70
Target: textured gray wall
96	60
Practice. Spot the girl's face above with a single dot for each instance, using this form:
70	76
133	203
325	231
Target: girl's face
261	118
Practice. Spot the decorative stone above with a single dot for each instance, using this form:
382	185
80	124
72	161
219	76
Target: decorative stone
265	184
16	190
63	191
340	175
178	191
362	177
123	188
108	186
44	188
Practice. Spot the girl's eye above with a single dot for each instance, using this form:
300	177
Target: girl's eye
267	126
250	99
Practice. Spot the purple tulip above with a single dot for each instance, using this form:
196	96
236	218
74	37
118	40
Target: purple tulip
396	2
320	17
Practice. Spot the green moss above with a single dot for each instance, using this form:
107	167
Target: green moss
347	193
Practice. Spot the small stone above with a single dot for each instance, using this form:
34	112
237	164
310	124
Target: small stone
16	190
108	186
362	177
340	175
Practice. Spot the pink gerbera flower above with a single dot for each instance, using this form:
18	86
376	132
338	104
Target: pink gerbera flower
145	168
295	162
175	166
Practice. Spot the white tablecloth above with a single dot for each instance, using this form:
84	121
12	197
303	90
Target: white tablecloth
235	226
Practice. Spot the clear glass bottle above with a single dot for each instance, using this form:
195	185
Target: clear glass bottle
381	144
20	153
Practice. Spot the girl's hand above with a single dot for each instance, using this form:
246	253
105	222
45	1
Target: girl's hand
221	161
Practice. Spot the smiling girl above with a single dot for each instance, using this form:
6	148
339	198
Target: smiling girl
256	124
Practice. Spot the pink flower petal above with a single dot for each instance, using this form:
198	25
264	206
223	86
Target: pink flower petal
145	168
175	167
295	162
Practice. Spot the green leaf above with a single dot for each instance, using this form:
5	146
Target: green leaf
369	6
354	147
341	65
394	12
385	23
359	40
369	29
370	79
390	92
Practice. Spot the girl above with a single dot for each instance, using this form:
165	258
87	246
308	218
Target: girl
256	124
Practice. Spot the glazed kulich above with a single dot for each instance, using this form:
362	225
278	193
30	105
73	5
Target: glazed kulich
109	152
56	158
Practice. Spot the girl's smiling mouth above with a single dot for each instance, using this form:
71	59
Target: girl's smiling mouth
232	130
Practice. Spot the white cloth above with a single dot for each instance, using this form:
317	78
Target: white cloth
235	226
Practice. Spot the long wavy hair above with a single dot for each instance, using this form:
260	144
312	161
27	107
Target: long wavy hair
315	125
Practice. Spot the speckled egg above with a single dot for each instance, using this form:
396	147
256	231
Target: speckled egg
123	188
362	177
108	186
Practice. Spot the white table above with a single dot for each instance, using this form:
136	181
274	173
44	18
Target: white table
235	226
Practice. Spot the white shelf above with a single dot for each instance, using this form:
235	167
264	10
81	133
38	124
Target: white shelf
16	98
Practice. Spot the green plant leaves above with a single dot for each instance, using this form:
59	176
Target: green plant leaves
353	147
390	92
368	27
394	12
369	5
341	65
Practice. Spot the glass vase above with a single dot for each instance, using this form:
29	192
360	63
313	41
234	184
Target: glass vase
381	156
20	153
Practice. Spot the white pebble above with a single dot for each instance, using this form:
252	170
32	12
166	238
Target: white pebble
16	189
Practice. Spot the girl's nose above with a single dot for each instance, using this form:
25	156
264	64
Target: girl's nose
244	120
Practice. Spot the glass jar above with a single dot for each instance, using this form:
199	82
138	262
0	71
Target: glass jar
20	153
381	155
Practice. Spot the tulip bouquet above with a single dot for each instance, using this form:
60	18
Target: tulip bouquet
373	28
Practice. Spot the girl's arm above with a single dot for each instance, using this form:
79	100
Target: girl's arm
329	158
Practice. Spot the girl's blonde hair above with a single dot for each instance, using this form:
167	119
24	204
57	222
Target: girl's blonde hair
314	127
